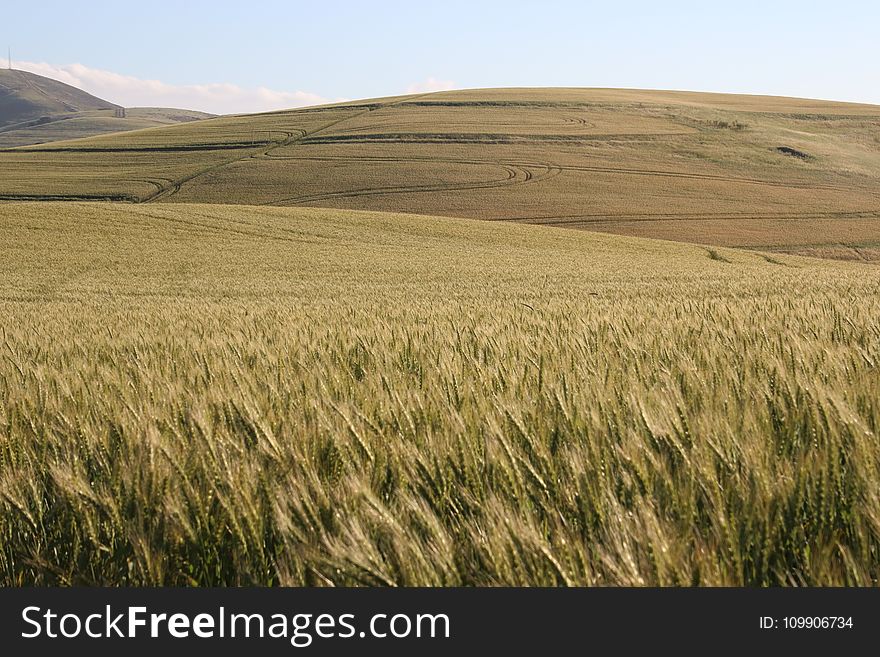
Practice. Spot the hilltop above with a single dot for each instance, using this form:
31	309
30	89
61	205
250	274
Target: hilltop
770	173
35	110
25	96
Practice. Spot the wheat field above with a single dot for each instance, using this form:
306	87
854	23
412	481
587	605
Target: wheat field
225	395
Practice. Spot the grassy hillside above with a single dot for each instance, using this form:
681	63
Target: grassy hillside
38	110
778	174
78	125
25	96
197	394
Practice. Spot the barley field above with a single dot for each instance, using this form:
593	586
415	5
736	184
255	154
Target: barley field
226	395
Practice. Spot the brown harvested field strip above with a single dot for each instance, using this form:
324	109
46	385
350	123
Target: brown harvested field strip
791	235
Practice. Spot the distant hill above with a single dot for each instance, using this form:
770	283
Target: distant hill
36	110
760	172
78	125
25	97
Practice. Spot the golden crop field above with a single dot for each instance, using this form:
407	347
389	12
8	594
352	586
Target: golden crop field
209	394
781	174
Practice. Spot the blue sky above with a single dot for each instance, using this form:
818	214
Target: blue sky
234	56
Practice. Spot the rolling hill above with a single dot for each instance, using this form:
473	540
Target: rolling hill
25	97
236	395
778	174
35	110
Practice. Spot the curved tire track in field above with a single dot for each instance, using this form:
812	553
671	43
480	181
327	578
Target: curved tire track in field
550	169
290	141
661	173
175	185
528	176
578	121
518	173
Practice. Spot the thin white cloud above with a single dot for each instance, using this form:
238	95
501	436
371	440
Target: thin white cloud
129	91
429	85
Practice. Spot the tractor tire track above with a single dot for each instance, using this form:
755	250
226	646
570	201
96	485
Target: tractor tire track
290	141
518	173
661	173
